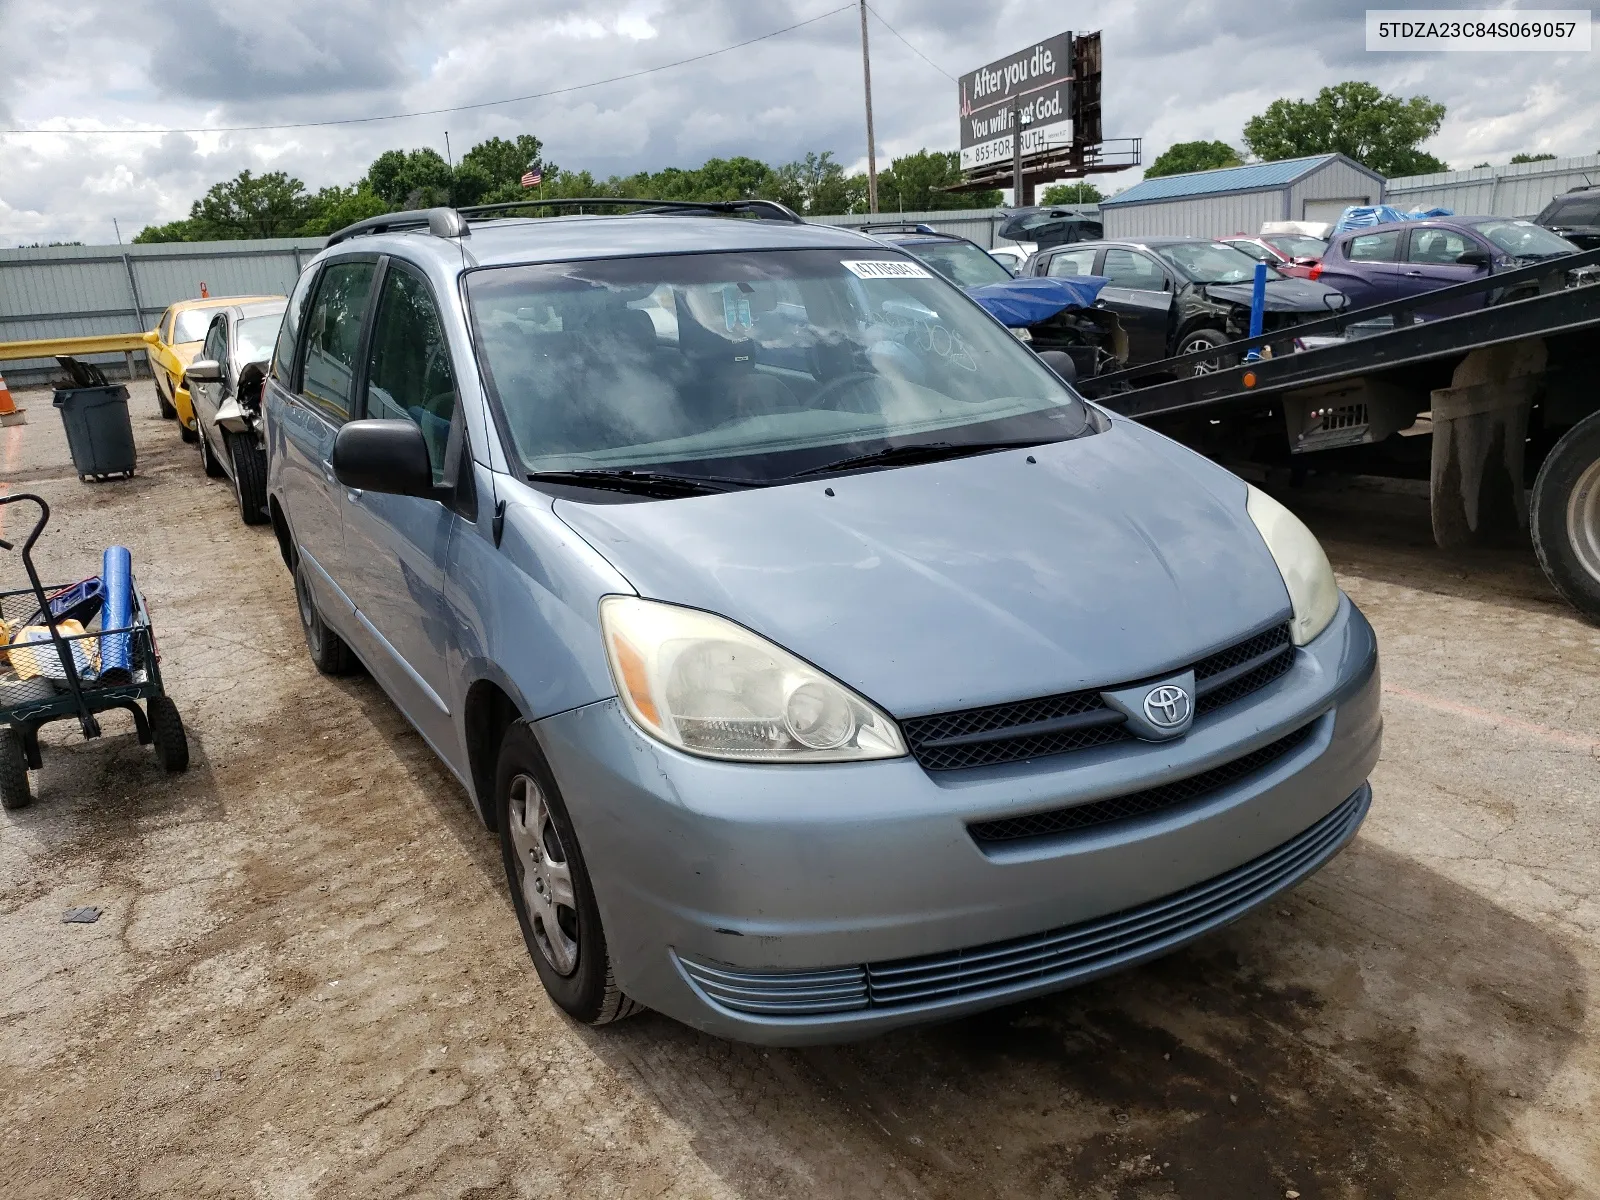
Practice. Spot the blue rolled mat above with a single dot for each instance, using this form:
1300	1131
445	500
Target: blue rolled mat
116	650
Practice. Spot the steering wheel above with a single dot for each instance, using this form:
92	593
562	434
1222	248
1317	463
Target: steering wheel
848	379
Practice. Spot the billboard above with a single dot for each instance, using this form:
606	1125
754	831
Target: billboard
1032	86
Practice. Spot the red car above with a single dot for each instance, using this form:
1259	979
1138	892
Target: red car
1289	253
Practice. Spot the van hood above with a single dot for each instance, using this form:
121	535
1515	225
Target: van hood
1112	558
1283	295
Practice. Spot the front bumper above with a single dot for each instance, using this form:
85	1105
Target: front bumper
759	882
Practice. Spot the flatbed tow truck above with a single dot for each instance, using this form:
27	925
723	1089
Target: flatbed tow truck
1479	403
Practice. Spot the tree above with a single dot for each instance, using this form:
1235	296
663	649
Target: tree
1182	157
250	206
410	178
817	184
917	183
172	231
1527	158
1081	192
1356	119
494	165
333	208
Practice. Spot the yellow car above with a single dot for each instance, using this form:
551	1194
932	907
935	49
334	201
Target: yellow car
173	343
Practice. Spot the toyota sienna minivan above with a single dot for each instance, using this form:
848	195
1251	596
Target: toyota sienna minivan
823	662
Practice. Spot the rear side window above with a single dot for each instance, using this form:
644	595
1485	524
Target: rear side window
1374	247
333	336
289	331
409	376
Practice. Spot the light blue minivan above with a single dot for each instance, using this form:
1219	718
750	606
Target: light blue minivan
824	663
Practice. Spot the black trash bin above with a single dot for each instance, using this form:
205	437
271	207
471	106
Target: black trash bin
99	431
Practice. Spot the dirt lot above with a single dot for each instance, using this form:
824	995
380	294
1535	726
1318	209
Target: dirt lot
308	980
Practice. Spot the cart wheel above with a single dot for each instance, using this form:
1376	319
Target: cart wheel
14	791
166	731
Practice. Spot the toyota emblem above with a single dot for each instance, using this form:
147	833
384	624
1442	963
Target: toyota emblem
1167	706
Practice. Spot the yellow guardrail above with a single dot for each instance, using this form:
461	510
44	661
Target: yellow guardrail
110	343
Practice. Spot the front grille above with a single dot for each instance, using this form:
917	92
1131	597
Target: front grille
1024	729
1063	956
1136	804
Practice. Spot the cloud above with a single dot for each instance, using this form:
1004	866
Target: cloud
1174	71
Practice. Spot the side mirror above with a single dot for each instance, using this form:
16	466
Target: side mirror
151	338
1305	260
390	457
1473	258
204	370
1061	363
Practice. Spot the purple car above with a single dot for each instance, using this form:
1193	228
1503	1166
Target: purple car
1404	258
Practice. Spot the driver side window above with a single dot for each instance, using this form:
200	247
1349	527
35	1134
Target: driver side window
409	376
1126	269
216	345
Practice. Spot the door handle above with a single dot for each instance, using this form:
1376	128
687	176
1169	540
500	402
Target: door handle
1413	274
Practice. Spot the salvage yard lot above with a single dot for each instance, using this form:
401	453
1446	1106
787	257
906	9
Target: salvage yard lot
308	979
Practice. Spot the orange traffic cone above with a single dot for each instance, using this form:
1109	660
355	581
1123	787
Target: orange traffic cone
10	414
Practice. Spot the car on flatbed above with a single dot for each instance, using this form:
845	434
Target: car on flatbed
1178	296
823	661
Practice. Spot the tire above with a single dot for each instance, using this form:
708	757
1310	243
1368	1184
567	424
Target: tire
187	434
329	654
1565	516
14	790
249	477
1199	339
165	404
208	460
542	859
166	731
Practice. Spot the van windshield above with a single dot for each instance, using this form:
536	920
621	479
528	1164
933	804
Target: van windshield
763	363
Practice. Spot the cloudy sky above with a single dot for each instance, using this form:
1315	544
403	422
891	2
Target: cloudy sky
1174	70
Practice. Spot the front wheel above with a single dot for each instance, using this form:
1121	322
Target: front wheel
249	477
1199	340
1564	517
550	886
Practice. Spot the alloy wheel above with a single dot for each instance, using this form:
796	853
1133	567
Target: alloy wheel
544	876
1206	366
1583	519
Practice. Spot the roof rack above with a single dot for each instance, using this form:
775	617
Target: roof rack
896	227
765	210
440	222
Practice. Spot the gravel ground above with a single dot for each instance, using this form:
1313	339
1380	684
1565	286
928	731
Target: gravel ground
308	980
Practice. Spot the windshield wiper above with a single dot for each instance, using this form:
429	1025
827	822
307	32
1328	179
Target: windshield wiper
916	453
626	479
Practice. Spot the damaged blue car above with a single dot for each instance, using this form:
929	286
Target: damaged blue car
1047	314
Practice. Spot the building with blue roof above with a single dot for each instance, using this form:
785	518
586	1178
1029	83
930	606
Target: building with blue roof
1240	199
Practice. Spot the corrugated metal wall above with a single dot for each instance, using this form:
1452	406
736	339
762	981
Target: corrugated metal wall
72	291
1201	216
1508	191
1241	212
78	291
1335	185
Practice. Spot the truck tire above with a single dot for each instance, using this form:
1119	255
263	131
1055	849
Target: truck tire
249	477
1565	516
1199	339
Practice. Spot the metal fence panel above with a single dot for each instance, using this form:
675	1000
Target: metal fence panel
1519	190
79	291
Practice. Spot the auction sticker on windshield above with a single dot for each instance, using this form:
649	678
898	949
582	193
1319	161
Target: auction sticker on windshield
884	268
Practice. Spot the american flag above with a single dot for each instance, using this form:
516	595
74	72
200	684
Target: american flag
534	177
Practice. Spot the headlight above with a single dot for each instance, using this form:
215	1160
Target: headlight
1301	562
708	686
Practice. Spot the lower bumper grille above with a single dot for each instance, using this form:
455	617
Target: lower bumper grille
1137	804
1071	954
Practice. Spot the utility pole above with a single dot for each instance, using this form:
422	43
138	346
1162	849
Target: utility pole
872	149
118	228
1018	200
